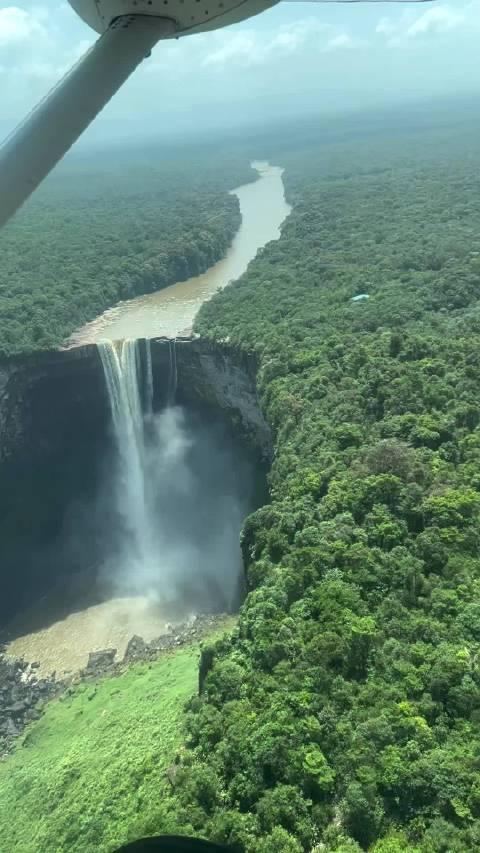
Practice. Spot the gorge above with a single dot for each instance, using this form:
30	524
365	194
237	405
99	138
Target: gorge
149	512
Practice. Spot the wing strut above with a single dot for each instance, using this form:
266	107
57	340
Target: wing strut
33	149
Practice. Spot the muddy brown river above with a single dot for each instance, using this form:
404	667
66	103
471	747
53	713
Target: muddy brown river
171	311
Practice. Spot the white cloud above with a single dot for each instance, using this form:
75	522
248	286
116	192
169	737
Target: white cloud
287	41
411	26
42	71
386	27
438	19
248	48
341	42
18	26
35	48
240	48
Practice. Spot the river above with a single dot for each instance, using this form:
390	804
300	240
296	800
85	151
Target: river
171	311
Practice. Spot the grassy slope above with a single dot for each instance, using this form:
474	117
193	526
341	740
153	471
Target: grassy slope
90	774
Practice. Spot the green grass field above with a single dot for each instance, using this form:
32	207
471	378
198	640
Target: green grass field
90	774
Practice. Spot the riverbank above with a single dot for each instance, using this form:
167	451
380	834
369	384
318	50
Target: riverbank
110	229
64	641
171	310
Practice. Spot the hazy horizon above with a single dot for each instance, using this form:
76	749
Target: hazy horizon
293	61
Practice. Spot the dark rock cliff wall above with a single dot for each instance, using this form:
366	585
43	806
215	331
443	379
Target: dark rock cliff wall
52	400
54	439
48	401
53	423
215	376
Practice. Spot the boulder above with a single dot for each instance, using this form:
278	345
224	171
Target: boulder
101	660
137	649
20	695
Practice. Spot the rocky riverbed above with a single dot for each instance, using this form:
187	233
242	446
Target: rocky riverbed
22	698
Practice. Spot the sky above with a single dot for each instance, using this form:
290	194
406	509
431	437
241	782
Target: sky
294	59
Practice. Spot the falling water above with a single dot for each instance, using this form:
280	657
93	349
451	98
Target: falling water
175	491
121	366
172	385
150	474
149	377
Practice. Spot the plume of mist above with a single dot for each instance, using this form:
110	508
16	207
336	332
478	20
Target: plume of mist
178	543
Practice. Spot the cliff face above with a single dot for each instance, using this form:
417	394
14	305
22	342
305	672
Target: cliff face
53	400
49	401
53	425
213	376
55	438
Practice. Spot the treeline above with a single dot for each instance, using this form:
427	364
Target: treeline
344	712
107	228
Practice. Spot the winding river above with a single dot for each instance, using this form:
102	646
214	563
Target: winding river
171	311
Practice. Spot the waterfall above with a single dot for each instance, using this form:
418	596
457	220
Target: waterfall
172	385
173	493
122	366
149	377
